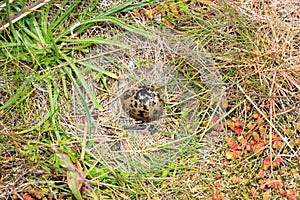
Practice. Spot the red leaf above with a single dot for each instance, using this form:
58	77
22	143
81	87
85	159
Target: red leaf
255	136
232	155
261	174
291	194
270	183
278	183
27	197
259	147
282	192
238	131
231	143
216	195
238	124
249	147
218	185
253	192
277	162
266	163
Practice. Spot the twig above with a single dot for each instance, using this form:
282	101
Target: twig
24	12
4	5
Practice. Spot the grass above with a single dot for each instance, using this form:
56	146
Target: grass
231	124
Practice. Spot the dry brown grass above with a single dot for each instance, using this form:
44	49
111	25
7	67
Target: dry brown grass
231	125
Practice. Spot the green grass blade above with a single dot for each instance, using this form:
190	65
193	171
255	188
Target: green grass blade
59	21
53	99
82	81
43	22
94	41
19	93
98	69
87	112
32	38
125	7
104	19
38	31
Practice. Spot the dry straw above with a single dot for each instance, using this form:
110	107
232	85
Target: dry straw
156	62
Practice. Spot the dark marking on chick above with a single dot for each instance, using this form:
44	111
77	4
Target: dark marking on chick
143	103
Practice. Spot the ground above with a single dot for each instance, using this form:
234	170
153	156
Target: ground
228	73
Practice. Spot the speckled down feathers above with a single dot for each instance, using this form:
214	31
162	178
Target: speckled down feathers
143	103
